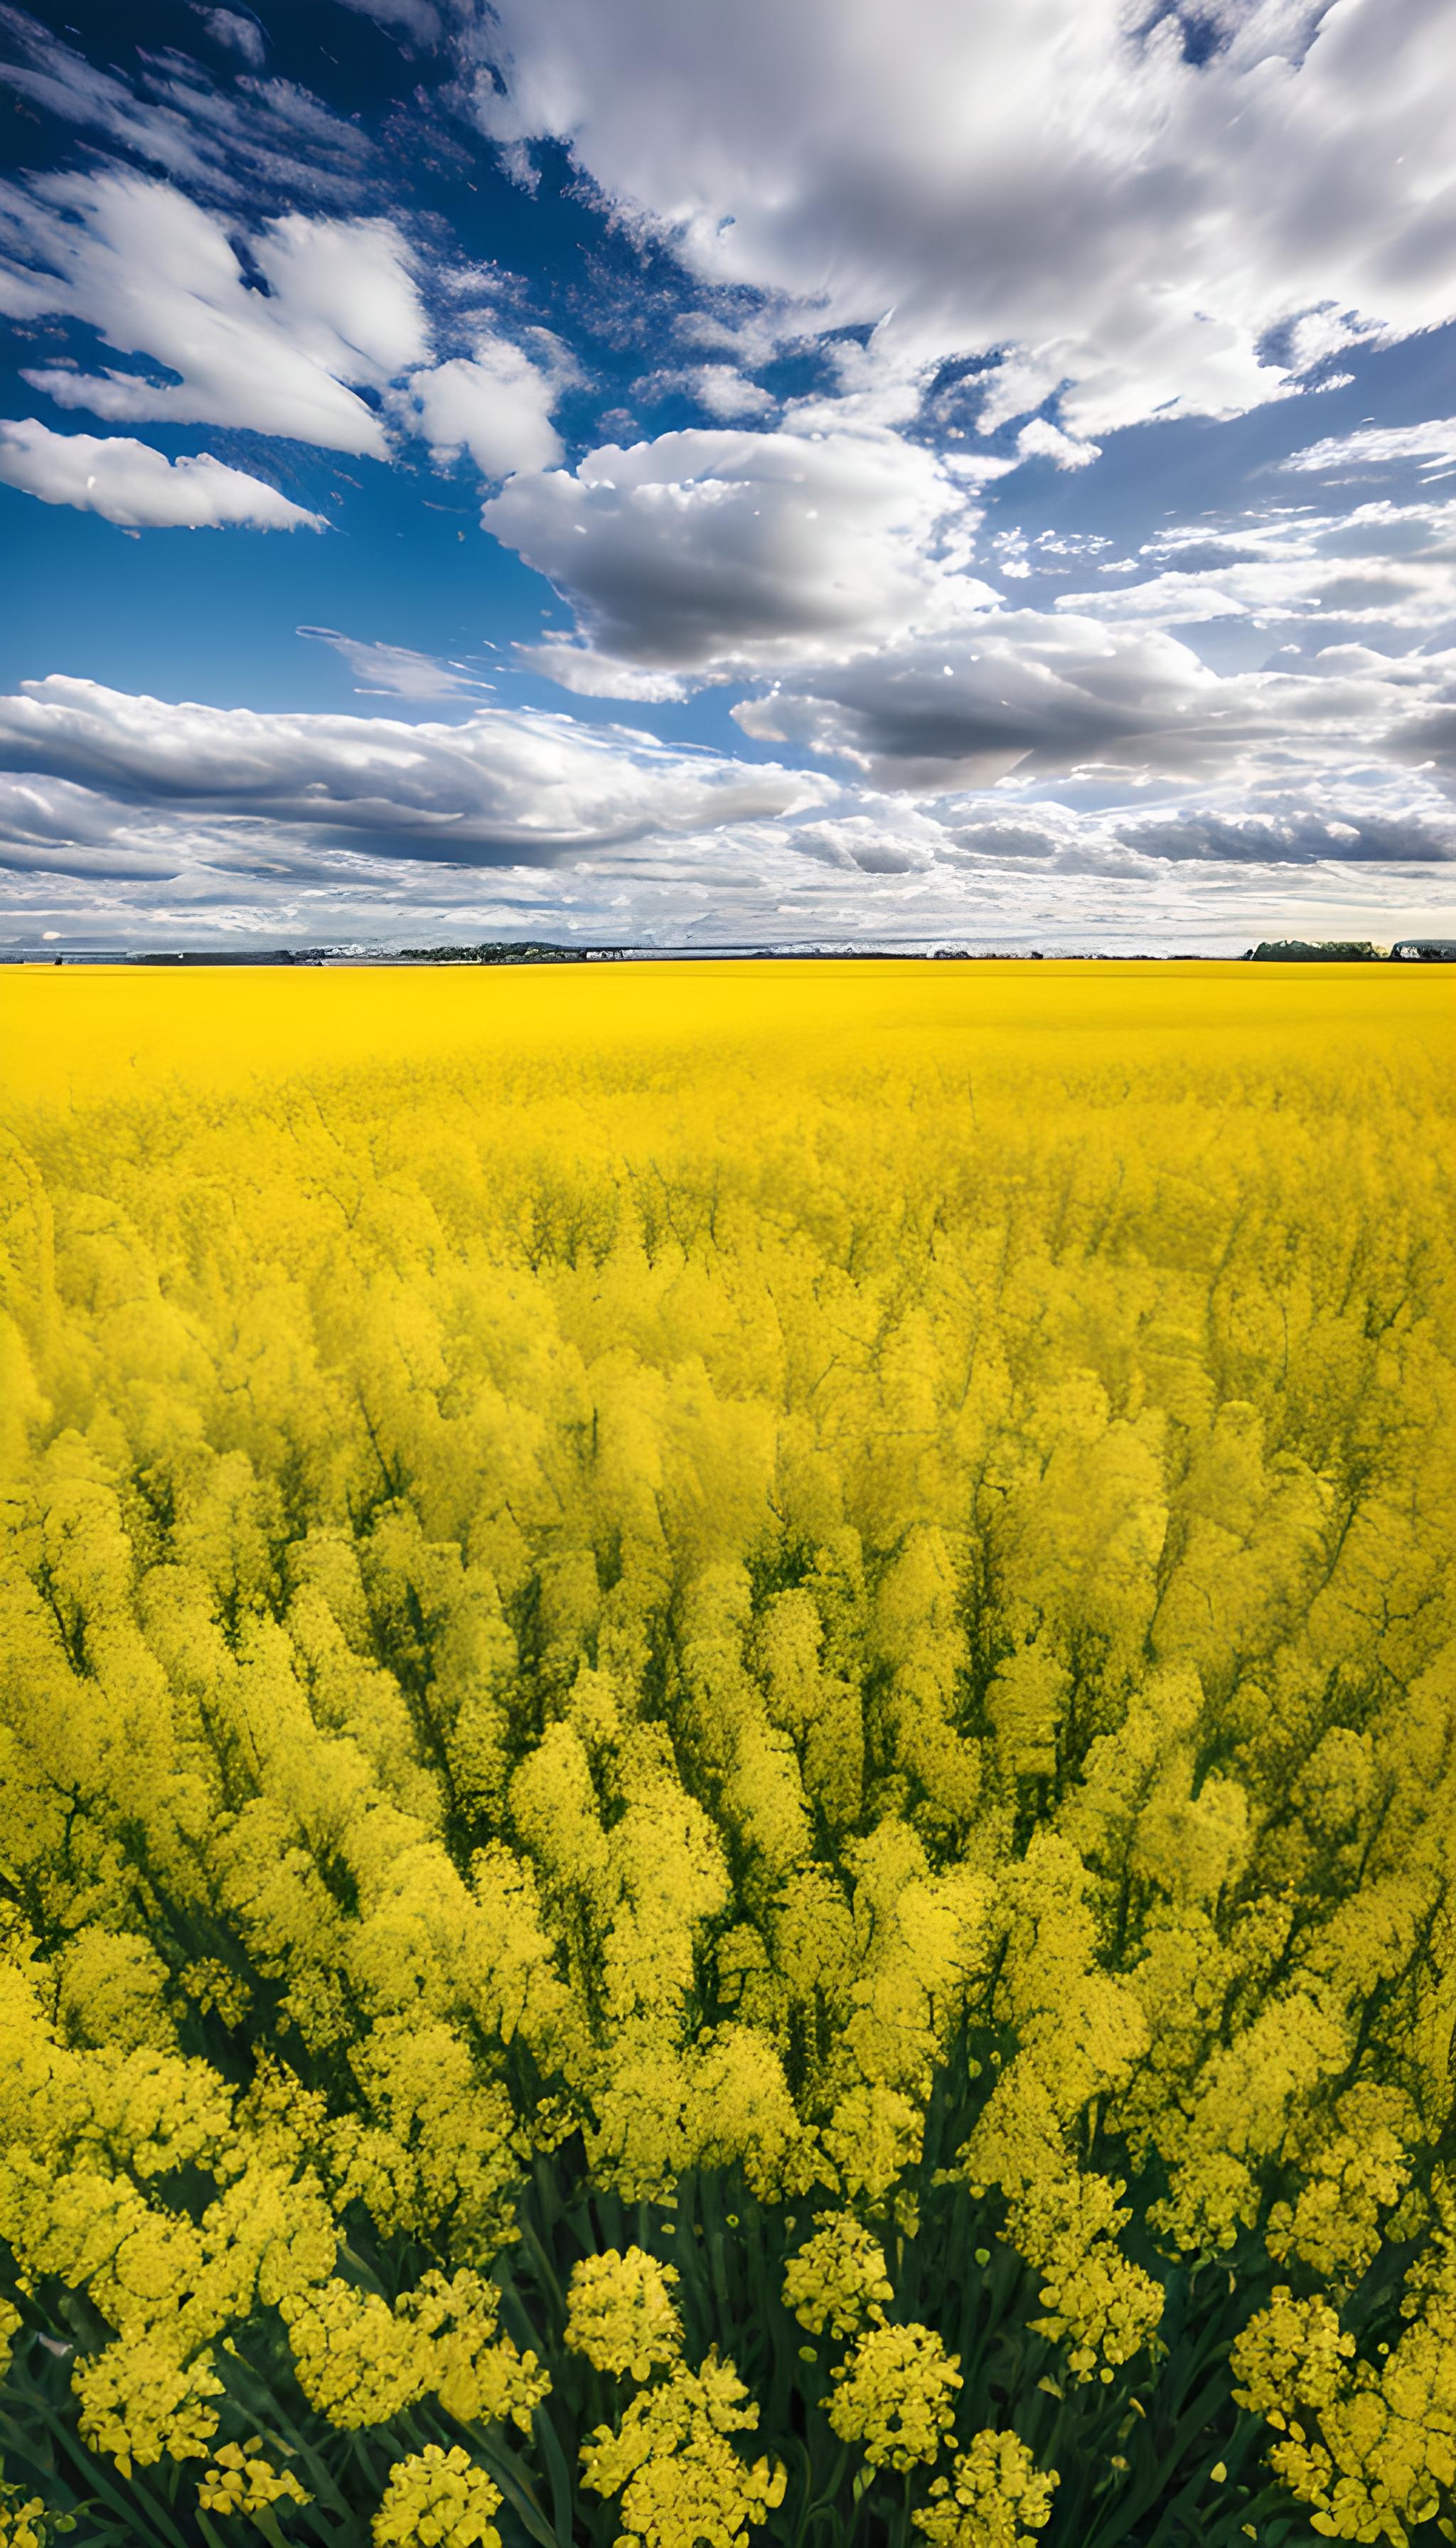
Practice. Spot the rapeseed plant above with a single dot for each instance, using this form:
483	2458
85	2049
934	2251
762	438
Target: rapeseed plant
728	1760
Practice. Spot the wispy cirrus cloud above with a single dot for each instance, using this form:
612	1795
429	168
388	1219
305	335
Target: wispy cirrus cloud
1428	448
400	671
419	20
231	144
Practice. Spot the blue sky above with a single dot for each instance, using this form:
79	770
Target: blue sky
616	471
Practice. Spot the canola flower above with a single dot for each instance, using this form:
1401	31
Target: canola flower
622	2316
837	2279
24	2523
680	2481
439	2499
727	1759
895	2396
994	2497
242	2479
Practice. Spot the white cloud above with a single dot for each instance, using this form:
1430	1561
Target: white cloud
1282	590
727	394
129	482
1381	566
1318	335
504	786
1316	861
346	294
1060	696
252	134
1018	690
400	671
414	18
720	388
236	34
1430	447
495	403
1040	440
595	674
158	277
717	552
1041	178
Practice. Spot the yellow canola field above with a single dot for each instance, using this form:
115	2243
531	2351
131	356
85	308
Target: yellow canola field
81	1033
728	1755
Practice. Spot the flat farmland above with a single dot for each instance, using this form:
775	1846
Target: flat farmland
728	1754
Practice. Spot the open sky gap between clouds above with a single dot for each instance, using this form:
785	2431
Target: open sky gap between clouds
653	473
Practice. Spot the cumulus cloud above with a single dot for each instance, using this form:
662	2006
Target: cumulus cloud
1132	223
131	484
236	33
1022	689
159	277
495	403
717	552
1040	440
1048	695
504	786
398	671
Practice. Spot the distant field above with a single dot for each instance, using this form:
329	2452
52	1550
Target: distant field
728	1755
101	1030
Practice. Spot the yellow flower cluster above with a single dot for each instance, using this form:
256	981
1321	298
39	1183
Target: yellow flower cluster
1371	2447
356	2361
478	2374
682	2482
837	2280
437	2499
1081	2035
141	2405
895	2394
621	2314
23	2522
239	2479
26	2521
1352	2179
212	1986
895	2389
1099	2304
995	2496
360	2362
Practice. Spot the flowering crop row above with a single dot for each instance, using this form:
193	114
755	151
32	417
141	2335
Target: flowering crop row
728	1800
